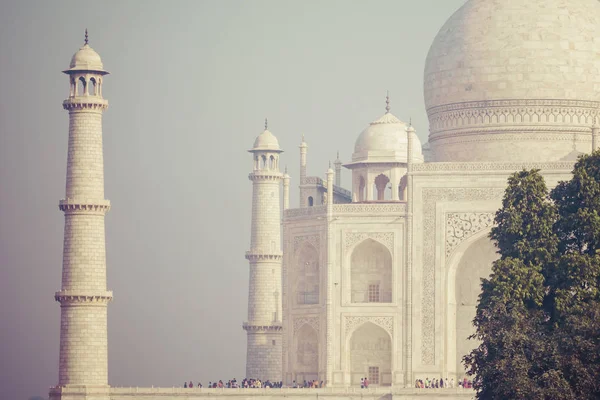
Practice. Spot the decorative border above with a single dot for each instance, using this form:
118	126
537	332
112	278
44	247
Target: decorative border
363	208
71	206
492	166
305	211
461	226
431	196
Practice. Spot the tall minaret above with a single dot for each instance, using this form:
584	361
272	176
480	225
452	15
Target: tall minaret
338	170
83	298
303	151
264	328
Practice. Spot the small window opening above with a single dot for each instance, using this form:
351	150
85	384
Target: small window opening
92	89
81	86
310	201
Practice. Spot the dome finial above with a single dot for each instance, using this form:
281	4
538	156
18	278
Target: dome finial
266	124
387	102
338	155
86	36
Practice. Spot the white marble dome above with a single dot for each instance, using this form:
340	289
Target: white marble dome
514	80
385	140
86	58
266	141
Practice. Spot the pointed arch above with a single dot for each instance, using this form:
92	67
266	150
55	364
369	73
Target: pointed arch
370	355
306	353
470	261
306	275
381	182
92	87
371	273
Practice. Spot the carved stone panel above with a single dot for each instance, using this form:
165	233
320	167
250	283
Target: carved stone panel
387	323
386	238
461	226
314	240
300	321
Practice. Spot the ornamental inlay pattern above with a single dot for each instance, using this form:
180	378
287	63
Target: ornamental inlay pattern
351	323
314	240
499	112
492	166
385	238
312	321
431	196
460	226
304	212
352	208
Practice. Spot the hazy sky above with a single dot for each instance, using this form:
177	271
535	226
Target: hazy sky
190	86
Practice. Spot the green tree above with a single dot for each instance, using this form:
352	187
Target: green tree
515	358
574	295
538	317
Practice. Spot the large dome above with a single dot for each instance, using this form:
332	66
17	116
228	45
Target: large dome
514	80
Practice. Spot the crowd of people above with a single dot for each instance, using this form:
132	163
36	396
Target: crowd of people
315	384
233	383
441	383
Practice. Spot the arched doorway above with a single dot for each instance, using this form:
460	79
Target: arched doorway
306	276
371	355
371	273
307	354
474	264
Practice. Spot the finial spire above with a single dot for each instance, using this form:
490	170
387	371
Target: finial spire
338	154
329	164
410	121
266	124
86	36
303	138
387	102
286	169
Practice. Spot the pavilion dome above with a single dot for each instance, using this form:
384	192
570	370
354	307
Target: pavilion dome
514	80
86	58
385	140
266	141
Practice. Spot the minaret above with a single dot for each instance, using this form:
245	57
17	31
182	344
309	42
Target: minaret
264	328
338	171
83	297
595	136
303	150
286	190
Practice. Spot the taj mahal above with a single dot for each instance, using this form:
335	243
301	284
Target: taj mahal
379	280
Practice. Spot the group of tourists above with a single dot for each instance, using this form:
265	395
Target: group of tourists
441	383
233	383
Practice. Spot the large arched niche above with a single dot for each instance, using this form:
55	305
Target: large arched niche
306	276
471	262
306	360
370	355
371	273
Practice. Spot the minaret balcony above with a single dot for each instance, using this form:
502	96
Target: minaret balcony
263	256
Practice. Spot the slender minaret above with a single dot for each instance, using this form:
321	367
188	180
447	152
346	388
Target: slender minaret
264	328
303	150
83	297
286	190
595	138
338	171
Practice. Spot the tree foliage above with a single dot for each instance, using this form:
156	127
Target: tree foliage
538	316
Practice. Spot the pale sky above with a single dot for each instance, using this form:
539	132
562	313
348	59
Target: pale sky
191	83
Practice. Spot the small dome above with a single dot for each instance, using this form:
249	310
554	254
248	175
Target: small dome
266	141
86	58
385	140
